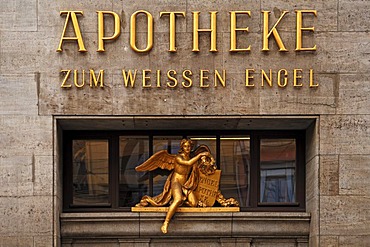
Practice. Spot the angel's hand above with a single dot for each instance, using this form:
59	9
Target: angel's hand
204	154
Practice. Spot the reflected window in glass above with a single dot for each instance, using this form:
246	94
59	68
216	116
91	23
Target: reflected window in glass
235	167
277	170
133	185
90	172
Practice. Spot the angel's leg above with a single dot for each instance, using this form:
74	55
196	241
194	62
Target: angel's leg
192	199
176	189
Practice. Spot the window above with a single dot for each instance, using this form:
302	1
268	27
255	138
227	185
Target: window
263	170
90	172
277	170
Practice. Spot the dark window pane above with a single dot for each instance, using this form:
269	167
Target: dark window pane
277	170
90	172
235	165
132	184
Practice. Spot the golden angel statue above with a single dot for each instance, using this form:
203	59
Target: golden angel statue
183	180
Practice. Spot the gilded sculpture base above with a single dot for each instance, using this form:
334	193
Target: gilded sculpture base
186	209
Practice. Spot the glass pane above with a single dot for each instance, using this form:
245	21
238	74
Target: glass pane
172	145
209	141
132	184
277	174
235	165
90	172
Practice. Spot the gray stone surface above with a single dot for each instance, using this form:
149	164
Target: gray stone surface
79	225
16	241
202	229
19	94
354	93
20	52
20	15
344	215
312	181
354	173
342	52
332	241
326	20
353	19
329	175
25	216
344	134
354	240
19	139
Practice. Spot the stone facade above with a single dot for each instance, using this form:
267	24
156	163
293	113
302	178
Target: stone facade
32	102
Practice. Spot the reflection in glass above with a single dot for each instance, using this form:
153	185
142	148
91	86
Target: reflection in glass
277	170
209	141
132	185
235	165
90	172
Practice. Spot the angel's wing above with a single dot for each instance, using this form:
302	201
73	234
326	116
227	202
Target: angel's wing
161	159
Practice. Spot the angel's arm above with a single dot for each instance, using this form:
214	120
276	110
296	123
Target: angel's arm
190	162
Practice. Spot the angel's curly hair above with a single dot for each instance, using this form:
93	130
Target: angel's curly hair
183	141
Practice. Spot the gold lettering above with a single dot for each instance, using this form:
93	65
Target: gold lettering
158	78
248	76
172	28
93	78
285	78
300	29
72	15
117	28
273	31
296	77
128	77
312	83
203	77
186	78
233	30
149	44
146	77
171	78
221	79
67	73
75	77
196	31
264	77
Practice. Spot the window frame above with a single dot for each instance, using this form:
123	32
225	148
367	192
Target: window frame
300	182
113	139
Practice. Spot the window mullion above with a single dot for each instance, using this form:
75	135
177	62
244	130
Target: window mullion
67	172
218	151
254	176
151	150
114	170
301	171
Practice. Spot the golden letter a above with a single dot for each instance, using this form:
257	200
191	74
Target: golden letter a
72	15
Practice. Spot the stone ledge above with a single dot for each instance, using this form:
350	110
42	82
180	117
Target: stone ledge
192	225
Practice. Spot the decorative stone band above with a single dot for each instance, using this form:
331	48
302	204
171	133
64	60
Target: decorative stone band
138	225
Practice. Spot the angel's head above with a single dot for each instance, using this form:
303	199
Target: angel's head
185	146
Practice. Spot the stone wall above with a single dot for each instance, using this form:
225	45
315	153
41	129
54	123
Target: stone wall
338	168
